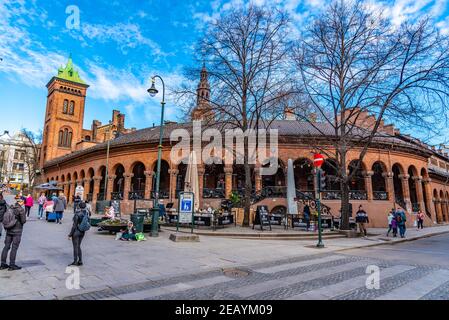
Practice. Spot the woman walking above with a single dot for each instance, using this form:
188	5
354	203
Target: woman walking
77	234
29	203
390	219
41	201
420	217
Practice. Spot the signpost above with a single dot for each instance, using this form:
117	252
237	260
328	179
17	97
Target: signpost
185	212
318	160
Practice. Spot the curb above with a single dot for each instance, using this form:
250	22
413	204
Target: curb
394	242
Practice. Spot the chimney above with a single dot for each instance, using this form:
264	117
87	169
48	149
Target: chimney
289	114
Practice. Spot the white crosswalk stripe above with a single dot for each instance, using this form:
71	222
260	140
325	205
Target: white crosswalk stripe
328	292
419	287
294	265
250	290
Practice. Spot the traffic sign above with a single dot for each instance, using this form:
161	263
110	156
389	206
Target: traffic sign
185	212
318	160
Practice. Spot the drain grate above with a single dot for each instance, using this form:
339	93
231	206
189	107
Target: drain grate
236	273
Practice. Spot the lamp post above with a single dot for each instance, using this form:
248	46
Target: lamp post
107	160
155	218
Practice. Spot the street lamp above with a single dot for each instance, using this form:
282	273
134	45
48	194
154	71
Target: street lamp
155	218
107	160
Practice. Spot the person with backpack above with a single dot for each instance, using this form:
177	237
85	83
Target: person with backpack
401	219
59	206
361	218
3	206
80	225
13	221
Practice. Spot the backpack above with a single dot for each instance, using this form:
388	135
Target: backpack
84	225
399	218
9	218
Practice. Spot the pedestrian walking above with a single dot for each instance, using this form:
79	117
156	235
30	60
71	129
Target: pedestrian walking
390	219
49	206
307	216
13	221
41	201
394	225
401	220
29	203
361	218
59	206
420	217
2	212
79	227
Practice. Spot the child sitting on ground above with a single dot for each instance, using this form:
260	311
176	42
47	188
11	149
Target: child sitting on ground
129	233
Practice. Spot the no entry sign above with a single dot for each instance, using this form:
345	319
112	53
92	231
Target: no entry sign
318	160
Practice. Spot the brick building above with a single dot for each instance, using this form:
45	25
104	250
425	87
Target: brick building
397	171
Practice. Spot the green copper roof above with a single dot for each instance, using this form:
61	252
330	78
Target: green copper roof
69	73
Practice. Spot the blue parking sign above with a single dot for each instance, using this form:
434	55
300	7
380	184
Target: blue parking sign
186	205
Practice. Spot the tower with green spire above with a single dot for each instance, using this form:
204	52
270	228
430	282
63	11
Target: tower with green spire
69	73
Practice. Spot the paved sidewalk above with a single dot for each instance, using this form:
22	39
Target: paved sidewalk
45	252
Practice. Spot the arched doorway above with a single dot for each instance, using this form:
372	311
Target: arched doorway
238	179
413	173
119	183
214	181
357	189
164	183
378	181
304	178
274	185
138	181
101	194
69	187
443	206
397	183
181	178
332	187
90	191
424	175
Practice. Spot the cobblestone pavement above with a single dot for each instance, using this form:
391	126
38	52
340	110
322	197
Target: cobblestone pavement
336	276
222	268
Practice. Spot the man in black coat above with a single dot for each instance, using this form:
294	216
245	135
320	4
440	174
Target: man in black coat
13	237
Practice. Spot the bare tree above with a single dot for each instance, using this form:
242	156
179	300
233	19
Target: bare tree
32	146
246	54
352	62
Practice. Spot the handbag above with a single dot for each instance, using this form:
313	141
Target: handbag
140	237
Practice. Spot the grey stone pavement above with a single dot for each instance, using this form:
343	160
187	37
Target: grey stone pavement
225	268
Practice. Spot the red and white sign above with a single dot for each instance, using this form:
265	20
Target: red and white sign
318	160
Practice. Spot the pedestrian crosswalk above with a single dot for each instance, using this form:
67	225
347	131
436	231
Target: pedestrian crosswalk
322	277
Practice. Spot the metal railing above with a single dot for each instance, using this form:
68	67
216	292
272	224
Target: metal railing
415	207
163	194
214	193
136	195
380	195
274	192
116	195
101	197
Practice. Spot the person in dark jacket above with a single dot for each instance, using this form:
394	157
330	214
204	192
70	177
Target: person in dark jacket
361	218
13	237
76	235
59	207
307	216
2	212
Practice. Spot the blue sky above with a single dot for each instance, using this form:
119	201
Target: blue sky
119	45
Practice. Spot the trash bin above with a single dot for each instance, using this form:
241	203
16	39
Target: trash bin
138	219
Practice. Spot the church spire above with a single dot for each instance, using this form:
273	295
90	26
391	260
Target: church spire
203	108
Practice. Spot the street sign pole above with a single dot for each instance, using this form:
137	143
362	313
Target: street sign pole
318	160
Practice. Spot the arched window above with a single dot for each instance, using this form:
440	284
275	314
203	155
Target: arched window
65	138
61	138
72	107
65	106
